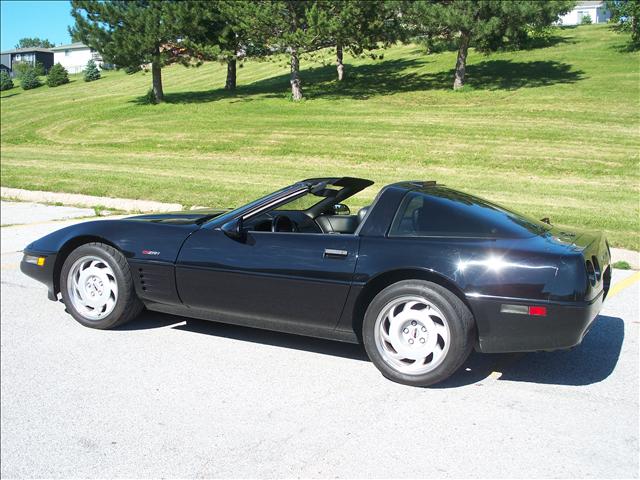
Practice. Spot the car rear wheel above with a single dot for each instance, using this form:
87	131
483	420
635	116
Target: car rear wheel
417	332
97	287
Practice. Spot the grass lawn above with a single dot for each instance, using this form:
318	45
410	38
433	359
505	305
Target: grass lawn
551	131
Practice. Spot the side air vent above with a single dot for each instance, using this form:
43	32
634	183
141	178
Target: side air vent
155	282
143	285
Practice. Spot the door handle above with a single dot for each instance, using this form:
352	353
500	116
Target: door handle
333	253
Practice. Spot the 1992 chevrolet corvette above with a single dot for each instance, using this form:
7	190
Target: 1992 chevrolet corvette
421	276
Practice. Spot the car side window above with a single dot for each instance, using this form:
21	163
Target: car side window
404	222
421	214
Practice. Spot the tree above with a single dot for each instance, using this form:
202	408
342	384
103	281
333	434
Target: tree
30	80
357	26
625	14
58	75
5	81
92	72
486	25
214	34
283	26
130	33
34	42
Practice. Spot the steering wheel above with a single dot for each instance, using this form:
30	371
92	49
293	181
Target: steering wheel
282	223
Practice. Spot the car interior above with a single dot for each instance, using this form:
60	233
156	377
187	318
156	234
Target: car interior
319	210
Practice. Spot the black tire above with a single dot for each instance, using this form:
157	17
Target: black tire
458	317
127	306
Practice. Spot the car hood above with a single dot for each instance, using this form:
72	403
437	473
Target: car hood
185	217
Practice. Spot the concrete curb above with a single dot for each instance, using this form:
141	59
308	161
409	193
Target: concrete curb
124	204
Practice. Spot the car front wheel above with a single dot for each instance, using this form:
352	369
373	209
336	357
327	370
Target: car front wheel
417	332
97	287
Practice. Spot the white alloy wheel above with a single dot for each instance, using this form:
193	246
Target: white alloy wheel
412	335
92	287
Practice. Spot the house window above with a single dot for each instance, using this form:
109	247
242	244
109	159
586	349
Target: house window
25	57
67	53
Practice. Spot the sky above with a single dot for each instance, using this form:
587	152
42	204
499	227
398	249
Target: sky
44	19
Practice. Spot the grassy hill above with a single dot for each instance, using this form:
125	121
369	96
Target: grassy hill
550	131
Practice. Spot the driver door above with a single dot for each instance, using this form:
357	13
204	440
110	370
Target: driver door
270	279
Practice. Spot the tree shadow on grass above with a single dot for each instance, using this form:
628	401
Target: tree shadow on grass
371	80
389	77
546	42
508	75
628	47
272	87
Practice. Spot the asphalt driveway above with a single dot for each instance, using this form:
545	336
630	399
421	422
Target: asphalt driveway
169	397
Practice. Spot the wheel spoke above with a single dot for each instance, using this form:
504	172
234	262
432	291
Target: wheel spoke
386	336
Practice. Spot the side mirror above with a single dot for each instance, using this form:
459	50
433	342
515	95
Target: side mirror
341	209
233	229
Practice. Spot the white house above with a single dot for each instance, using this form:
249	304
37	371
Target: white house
597	11
74	57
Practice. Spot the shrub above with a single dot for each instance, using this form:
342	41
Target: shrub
30	80
21	68
91	73
58	75
622	265
586	20
5	81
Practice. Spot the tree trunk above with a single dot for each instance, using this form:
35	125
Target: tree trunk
296	83
461	62
230	84
339	62
156	72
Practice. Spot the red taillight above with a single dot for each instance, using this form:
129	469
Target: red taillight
538	311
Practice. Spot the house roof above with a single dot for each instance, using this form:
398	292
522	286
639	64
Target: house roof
70	46
27	50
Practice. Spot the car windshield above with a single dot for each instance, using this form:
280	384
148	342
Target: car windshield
250	206
305	202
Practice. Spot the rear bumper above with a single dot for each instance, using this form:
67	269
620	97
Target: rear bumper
564	326
43	274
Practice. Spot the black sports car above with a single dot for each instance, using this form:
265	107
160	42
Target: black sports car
421	276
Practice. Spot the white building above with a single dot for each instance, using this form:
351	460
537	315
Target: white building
597	11
74	57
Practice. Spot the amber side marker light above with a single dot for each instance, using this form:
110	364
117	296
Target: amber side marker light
39	261
533	310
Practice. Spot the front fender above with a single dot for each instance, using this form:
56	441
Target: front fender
145	242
